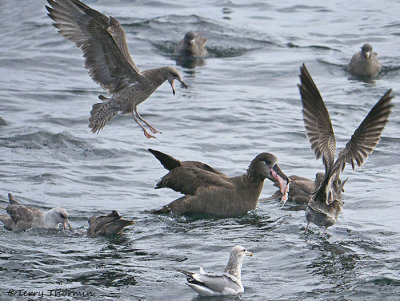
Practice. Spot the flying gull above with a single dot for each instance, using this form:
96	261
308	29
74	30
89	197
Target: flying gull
229	283
109	224
22	217
326	202
209	191
103	43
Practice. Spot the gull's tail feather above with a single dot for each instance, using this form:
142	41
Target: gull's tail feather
102	113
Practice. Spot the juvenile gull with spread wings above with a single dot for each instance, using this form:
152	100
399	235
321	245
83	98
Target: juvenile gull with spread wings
209	191
22	217
326	202
229	283
109	224
104	47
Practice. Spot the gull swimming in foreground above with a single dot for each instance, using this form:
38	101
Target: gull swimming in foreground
365	62
103	43
326	202
209	191
23	218
109	224
229	283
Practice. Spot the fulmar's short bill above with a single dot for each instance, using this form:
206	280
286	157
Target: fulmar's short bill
209	191
23	218
365	63
107	57
326	202
229	283
109	224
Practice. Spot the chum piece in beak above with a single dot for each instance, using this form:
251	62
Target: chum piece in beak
183	84
65	225
283	184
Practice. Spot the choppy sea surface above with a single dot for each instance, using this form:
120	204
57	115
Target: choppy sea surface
241	101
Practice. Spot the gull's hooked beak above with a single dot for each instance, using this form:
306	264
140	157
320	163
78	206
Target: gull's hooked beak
368	54
247	253
172	85
191	42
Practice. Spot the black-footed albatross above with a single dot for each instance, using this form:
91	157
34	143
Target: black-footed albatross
365	62
103	43
326	202
209	191
192	45
109	224
23	218
228	283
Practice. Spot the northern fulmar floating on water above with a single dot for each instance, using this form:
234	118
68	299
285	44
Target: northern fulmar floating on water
192	45
229	283
109	224
104	47
209	191
326	201
23	218
365	62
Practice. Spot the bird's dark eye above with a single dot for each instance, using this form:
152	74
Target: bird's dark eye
63	215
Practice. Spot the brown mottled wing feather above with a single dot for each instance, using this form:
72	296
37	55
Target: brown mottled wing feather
187	179
20	212
101	39
366	137
316	120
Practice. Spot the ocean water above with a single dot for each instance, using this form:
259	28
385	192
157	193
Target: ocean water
242	100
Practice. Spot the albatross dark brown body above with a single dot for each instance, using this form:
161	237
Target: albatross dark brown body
326	202
208	191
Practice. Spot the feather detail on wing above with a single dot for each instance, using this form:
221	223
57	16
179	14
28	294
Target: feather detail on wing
101	39
366	136
220	284
187	179
317	121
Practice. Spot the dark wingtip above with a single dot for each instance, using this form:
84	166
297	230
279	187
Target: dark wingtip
11	198
166	160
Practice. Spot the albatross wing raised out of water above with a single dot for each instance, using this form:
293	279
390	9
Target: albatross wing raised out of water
208	191
109	224
22	217
102	41
365	63
326	202
228	283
